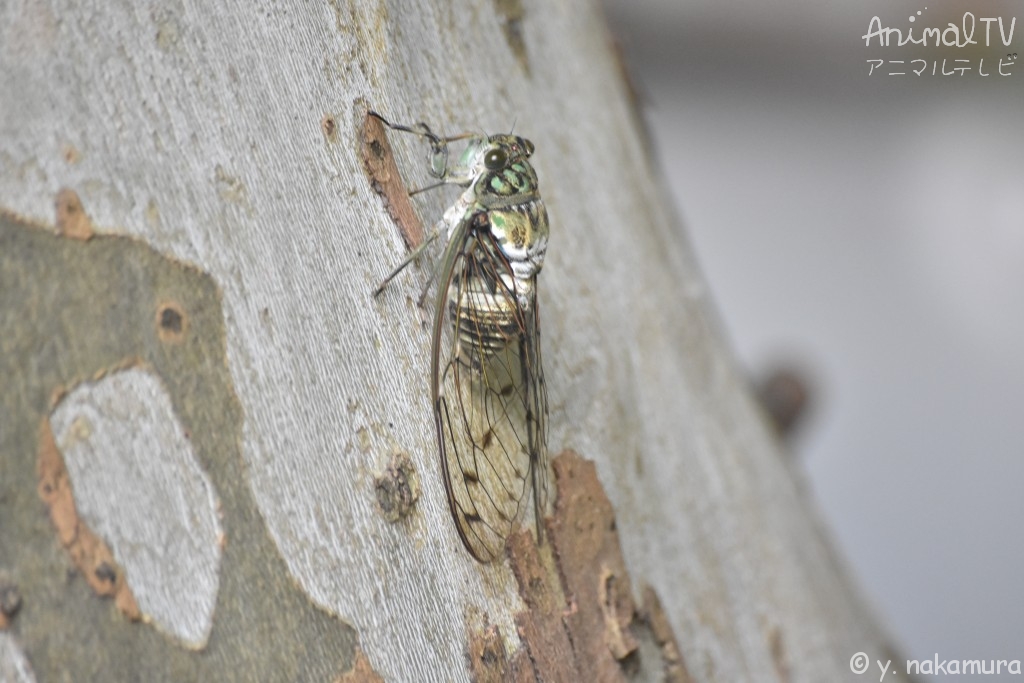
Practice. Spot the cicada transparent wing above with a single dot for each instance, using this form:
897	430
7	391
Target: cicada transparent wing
487	383
488	389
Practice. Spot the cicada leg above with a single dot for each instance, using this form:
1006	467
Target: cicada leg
413	255
438	147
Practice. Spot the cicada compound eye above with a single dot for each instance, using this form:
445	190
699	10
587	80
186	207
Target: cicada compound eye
495	159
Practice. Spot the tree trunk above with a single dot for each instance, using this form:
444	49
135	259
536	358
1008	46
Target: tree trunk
208	418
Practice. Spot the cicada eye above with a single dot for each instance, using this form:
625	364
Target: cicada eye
495	159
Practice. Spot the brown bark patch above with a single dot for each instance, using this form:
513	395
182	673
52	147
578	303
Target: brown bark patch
71	154
10	601
171	322
778	649
387	182
489	662
361	671
582	622
88	552
329	126
586	542
72	220
654	617
511	13
542	628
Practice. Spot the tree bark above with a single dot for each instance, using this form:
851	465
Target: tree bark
208	418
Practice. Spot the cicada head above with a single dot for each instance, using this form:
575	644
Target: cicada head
487	155
503	150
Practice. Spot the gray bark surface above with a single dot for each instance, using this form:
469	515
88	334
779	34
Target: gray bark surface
197	130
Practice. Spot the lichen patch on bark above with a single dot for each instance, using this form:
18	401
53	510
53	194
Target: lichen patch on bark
397	488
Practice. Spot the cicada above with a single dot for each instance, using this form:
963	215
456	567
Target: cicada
486	377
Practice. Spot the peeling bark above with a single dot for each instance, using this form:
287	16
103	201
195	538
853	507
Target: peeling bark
581	622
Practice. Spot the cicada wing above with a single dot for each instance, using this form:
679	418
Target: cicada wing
487	391
538	415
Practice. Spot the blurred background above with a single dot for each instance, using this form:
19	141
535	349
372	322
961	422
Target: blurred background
863	238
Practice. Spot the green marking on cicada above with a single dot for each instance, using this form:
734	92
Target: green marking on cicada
487	380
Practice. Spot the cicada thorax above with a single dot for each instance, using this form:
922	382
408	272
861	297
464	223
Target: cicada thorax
518	178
